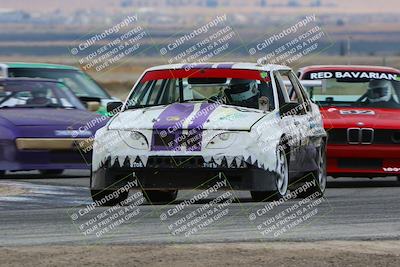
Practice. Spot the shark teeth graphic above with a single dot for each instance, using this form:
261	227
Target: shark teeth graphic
233	164
132	159
121	161
248	160
255	163
218	160
238	160
224	163
113	160
230	160
127	161
207	158
101	163
144	159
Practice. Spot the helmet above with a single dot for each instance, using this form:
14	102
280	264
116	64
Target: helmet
241	90
39	92
379	91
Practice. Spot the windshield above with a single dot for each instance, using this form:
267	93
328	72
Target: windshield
36	94
356	89
80	83
232	87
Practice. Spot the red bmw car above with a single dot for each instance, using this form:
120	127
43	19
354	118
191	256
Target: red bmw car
361	110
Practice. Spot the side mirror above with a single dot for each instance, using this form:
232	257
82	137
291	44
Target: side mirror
85	99
114	106
91	103
288	109
93	106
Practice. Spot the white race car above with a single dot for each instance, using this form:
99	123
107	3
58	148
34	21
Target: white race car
252	126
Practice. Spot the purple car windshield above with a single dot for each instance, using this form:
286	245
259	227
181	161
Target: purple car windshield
37	94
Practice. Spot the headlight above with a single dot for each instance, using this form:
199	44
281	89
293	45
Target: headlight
134	139
222	140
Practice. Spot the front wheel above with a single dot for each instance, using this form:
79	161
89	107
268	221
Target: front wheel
318	178
2	174
108	197
281	180
160	196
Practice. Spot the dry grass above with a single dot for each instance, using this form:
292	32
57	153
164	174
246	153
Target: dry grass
307	254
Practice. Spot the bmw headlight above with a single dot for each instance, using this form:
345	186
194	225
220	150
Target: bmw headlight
134	139
222	140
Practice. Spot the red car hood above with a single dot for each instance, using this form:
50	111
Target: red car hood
346	117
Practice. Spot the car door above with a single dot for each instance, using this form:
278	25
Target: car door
289	121
308	126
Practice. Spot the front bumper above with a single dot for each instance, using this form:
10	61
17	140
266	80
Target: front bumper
178	172
363	160
26	154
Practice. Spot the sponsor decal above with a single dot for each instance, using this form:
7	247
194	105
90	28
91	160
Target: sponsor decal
353	75
264	75
173	118
72	133
230	115
357	112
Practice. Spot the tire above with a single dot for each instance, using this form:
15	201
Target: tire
51	172
319	176
282	180
2	174
99	196
398	178
160	196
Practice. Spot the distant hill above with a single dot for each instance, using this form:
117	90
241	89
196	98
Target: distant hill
278	6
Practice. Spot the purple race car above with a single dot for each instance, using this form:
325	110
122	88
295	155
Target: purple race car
44	127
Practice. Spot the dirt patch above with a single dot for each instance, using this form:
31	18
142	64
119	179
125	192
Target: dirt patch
329	253
6	190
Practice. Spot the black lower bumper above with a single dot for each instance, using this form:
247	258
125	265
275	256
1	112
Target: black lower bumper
253	179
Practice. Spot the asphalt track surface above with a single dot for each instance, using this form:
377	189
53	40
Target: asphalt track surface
353	209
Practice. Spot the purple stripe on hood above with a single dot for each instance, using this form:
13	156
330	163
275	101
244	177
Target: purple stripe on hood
168	127
195	134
